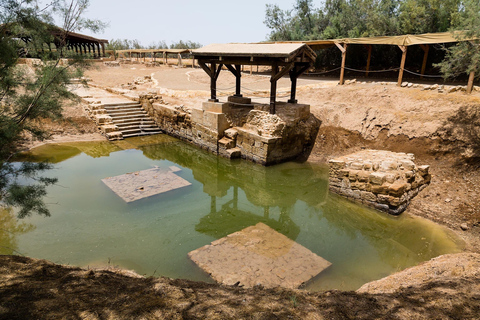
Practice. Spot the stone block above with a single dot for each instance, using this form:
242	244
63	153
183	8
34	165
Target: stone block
363	176
377	178
217	107
102	119
197	116
407	165
397	188
239	100
423	170
226	143
336	164
234	153
231	133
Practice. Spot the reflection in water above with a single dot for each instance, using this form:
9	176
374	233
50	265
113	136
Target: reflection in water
10	229
154	235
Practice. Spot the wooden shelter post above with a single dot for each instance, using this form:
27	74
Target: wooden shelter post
402	65
471	77
295	72
425	49
238	92
369	57
273	88
344	58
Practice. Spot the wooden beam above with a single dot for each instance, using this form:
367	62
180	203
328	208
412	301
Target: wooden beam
471	77
284	71
213	83
344	58
369	57
297	70
205	68
425	57
236	72
273	88
238	91
402	65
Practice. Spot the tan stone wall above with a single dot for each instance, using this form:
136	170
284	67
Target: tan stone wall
239	129
383	180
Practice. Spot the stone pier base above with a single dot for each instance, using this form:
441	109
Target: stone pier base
384	180
238	128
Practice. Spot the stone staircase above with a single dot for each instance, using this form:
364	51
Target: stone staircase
123	120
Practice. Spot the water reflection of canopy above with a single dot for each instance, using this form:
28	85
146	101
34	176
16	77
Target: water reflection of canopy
280	186
229	219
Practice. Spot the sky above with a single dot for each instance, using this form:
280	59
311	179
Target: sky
203	21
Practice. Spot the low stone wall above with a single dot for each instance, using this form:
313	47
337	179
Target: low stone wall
238	128
384	180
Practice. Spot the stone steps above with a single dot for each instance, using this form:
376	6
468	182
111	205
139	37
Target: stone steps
123	120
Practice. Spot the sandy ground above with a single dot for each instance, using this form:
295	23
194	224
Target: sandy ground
357	116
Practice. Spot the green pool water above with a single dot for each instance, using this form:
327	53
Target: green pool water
91	226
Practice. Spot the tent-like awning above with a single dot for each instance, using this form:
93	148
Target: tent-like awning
402	41
291	58
153	52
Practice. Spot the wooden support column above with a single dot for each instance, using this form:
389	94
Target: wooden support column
425	49
144	57
213	83
295	72
369	57
273	88
344	57
402	65
238	74
103	49
213	72
471	77
238	92
213	204
164	58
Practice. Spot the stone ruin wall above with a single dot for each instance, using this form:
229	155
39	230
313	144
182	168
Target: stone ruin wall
384	180
240	129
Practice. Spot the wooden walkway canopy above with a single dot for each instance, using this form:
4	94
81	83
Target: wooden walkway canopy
79	43
285	58
139	53
403	42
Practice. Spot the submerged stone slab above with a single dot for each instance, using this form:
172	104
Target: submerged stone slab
146	183
384	180
258	255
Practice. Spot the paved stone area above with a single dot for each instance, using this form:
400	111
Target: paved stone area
258	255
146	183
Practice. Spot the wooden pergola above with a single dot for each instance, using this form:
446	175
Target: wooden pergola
142	53
76	42
402	41
285	58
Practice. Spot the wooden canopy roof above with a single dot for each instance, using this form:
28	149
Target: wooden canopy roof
285	58
141	51
402	40
256	53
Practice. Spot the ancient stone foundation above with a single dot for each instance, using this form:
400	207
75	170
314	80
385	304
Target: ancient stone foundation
384	180
238	128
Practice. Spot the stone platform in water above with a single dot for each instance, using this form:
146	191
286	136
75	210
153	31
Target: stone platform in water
142	184
258	255
383	180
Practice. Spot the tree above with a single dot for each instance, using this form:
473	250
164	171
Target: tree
31	93
464	57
